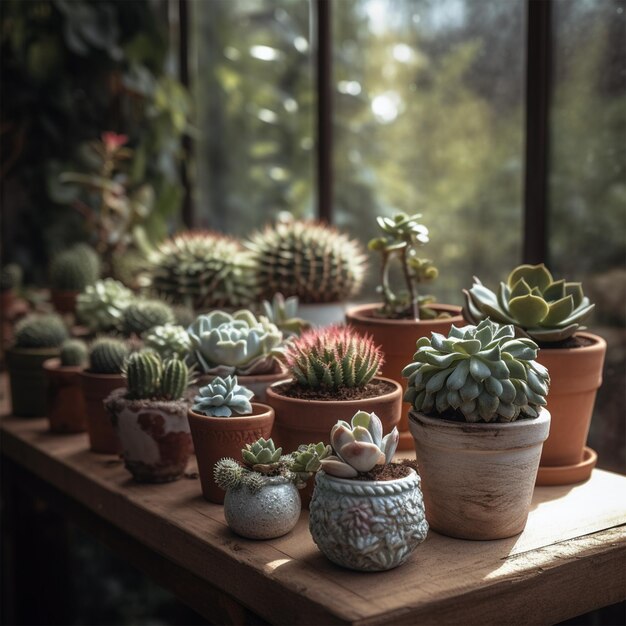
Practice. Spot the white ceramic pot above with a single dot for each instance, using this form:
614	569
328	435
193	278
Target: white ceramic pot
478	478
271	512
368	526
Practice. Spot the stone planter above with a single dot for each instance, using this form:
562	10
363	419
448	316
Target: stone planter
66	405
155	437
368	526
478	478
271	512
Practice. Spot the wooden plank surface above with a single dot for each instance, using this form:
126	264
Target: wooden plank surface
569	560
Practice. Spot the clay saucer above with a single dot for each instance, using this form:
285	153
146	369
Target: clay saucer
568	474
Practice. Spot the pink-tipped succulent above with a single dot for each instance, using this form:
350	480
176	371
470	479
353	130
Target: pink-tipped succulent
332	358
359	446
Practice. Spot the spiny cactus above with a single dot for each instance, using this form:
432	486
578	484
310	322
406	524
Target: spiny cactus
101	306
307	259
73	353
283	314
10	277
40	331
359	446
261	452
539	307
107	356
202	269
143	371
222	397
142	315
480	372
168	340
75	268
174	380
332	358
228	474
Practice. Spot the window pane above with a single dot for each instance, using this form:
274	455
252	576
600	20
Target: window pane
429	118
254	100
588	188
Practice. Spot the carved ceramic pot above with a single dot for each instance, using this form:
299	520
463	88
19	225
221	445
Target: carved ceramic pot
270	512
368	526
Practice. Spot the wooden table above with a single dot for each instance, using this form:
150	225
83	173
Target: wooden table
570	559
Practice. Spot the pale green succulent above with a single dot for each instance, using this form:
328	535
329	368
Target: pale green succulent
101	306
222	397
307	460
261	452
480	372
541	308
168	340
284	314
240	343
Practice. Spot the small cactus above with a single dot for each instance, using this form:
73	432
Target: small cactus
101	306
40	331
143	371
261	452
174	380
168	340
228	474
143	315
107	356
74	269
73	353
222	397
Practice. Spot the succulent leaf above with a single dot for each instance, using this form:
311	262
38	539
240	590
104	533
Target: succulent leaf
223	397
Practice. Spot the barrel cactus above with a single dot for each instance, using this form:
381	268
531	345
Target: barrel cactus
224	344
143	371
142	315
168	340
40	331
481	373
73	353
202	269
307	259
75	268
359	446
332	358
174	379
541	308
222	397
107	355
101	306
284	314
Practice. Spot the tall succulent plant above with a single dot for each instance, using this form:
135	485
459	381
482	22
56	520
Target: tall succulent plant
101	306
75	268
310	260
40	331
482	373
541	308
222	397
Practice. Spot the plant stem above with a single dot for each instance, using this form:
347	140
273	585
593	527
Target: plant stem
410	284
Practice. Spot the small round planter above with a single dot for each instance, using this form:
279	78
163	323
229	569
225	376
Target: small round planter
29	383
96	387
271	512
368	526
155	438
323	313
218	437
257	384
64	301
478	478
66	405
398	339
310	421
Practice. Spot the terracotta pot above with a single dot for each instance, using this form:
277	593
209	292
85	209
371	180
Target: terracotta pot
323	313
66	405
310	421
218	437
397	339
29	383
96	387
64	301
155	437
575	376
478	478
256	384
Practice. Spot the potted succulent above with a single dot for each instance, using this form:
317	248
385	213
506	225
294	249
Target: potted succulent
223	344
262	499
334	373
367	513
222	419
551	313
478	424
169	340
405	314
150	417
37	338
313	261
101	306
104	374
66	406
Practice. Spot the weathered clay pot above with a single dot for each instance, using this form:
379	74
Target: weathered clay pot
397	339
218	437
368	526
575	376
96	387
29	383
310	421
271	512
64	301
323	313
66	405
155	437
478	478
257	384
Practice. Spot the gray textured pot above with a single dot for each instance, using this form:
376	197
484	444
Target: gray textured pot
271	512
368	526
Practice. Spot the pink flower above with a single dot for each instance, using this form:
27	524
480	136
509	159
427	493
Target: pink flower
112	141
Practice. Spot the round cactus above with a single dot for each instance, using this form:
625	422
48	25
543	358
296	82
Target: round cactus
40	331
168	340
307	259
174	379
143	371
479	372
107	356
222	397
332	358
141	316
74	269
101	306
73	353
11	277
228	474
202	269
